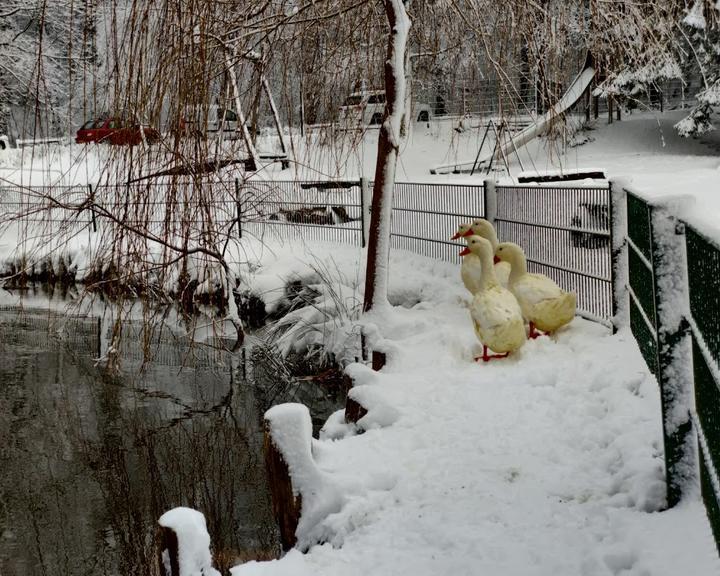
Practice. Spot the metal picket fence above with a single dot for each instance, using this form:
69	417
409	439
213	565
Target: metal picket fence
328	210
564	231
424	216
566	235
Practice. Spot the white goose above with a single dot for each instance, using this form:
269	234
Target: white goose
484	228
471	268
544	304
496	314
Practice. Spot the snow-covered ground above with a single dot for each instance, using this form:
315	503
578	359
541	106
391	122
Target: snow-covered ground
548	463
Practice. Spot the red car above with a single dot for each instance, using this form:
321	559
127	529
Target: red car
117	131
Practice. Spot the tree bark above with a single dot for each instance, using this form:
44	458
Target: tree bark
230	59
376	277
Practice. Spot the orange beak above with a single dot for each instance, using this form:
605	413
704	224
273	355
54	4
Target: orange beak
496	260
465	252
455	236
468	233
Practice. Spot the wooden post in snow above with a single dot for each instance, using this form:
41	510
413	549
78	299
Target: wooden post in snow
376	276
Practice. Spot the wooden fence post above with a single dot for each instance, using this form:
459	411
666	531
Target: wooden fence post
288	448
184	544
168	552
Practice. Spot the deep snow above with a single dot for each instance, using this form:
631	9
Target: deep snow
548	463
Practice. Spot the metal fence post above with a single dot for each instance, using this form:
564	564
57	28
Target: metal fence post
365	207
658	308
490	200
618	255
673	340
238	204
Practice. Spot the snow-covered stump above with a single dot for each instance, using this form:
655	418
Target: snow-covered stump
379	359
357	374
292	473
184	544
354	411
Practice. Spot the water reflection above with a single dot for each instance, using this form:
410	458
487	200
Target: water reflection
90	459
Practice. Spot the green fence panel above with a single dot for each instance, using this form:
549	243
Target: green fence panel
707	403
642	284
639	226
644	337
704	295
704	284
641	281
711	502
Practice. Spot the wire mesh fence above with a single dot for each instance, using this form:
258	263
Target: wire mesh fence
673	288
641	281
565	233
703	274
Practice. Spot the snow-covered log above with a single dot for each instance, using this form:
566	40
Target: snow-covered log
302	496
185	544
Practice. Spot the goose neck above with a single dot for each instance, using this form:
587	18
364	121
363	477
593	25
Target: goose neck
518	266
488	278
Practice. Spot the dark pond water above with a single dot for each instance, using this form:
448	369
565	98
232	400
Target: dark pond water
90	459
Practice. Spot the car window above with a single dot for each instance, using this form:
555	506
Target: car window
88	125
99	123
353	100
377	99
230	116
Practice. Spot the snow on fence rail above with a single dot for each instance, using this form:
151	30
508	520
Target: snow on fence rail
674	303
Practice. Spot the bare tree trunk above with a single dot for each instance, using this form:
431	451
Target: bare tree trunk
376	278
276	116
242	123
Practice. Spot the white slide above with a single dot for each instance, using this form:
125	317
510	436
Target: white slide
571	96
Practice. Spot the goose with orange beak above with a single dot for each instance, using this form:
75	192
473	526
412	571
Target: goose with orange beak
544	304
496	315
485	229
471	268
